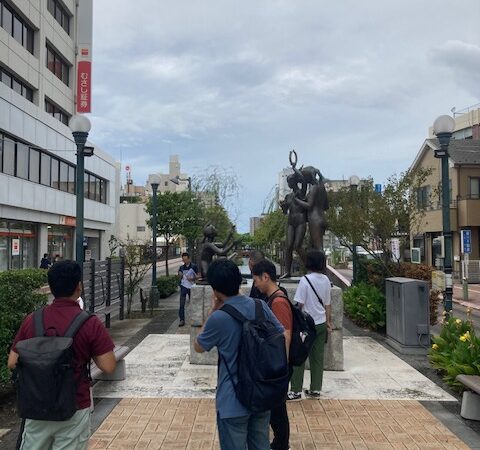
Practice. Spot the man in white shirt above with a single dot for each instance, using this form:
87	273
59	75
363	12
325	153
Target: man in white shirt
188	273
313	295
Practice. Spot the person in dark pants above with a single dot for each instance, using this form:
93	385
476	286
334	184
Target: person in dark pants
265	277
45	262
188	274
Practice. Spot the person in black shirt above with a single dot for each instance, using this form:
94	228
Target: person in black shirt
45	262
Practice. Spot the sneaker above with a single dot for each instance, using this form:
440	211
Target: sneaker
294	396
313	394
181	323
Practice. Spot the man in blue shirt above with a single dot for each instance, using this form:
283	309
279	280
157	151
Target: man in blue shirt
188	274
238	428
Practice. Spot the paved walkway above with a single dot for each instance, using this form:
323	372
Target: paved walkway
171	423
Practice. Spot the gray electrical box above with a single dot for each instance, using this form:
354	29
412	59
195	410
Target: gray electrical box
408	315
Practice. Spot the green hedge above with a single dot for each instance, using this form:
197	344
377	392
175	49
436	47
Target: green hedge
18	298
365	305
167	285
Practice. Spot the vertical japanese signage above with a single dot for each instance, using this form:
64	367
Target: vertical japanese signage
466	241
84	56
15	247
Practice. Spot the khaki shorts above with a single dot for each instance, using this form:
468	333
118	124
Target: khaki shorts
71	434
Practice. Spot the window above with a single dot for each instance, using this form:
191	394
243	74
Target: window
474	187
423	197
45	169
166	183
16	27
60	13
58	65
140	228
34	167
54	176
22	161
63	176
16	84
56	112
8	157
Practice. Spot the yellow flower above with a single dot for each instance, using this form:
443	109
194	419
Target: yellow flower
463	338
458	321
369	305
435	346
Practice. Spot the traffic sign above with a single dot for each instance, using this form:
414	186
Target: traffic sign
466	241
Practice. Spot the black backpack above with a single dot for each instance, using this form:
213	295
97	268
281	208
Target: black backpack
303	332
44	375
262	366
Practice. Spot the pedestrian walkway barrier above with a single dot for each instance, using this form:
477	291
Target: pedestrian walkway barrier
473	271
119	374
104	288
471	398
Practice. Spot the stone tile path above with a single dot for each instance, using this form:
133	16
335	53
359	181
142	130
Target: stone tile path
159	367
174	423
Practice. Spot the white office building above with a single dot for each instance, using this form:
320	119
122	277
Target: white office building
37	154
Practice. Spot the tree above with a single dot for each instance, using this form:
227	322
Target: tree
370	219
271	232
178	214
135	266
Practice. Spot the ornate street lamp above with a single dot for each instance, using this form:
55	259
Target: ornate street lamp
155	181
80	126
443	129
354	181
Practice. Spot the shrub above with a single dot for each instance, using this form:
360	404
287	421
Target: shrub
167	285
456	351
365	305
18	297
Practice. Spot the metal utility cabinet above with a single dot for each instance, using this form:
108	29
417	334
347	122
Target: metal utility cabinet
408	314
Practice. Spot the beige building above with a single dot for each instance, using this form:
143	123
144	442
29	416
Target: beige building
165	179
464	174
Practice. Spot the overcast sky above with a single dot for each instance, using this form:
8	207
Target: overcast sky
352	85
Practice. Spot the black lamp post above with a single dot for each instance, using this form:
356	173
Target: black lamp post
176	180
80	126
154	288
443	128
354	181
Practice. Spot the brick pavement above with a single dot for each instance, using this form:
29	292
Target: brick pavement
173	423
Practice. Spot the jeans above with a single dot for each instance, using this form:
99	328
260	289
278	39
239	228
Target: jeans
315	357
280	427
240	433
183	297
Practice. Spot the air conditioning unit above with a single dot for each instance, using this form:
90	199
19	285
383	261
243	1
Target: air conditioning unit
416	255
439	244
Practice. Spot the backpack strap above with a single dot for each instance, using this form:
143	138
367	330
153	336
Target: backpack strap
76	323
319	298
274	296
234	312
38	329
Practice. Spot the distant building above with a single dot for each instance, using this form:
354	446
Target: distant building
283	188
166	185
255	223
467	124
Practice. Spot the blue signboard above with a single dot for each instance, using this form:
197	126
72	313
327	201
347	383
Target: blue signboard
466	241
378	188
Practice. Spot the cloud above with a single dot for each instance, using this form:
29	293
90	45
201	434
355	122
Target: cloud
352	85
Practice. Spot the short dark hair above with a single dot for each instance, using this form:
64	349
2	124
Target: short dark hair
256	256
63	278
316	261
265	266
224	276
45	255
185	254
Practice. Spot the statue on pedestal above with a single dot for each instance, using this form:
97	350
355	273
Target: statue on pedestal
209	249
305	204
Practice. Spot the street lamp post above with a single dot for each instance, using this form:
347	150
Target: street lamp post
176	180
443	128
80	126
153	290
354	181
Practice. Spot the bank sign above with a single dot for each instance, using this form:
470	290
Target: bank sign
84	57
466	241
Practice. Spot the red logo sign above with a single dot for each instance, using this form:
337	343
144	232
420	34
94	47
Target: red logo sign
84	86
84	51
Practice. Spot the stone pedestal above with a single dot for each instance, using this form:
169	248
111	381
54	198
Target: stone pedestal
200	303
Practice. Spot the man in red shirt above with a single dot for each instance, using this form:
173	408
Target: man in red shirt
265	279
91	341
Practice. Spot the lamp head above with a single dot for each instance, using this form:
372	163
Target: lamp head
80	123
154	181
443	124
